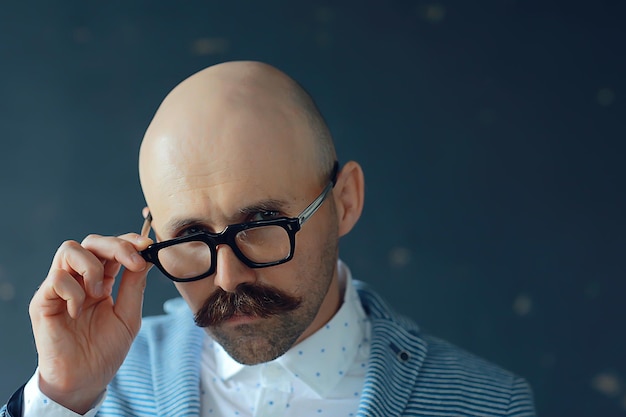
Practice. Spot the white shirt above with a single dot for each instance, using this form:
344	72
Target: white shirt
321	376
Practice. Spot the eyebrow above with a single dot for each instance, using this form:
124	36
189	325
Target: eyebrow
176	224
265	205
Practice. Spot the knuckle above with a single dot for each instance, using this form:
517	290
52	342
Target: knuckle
68	245
32	306
127	246
90	238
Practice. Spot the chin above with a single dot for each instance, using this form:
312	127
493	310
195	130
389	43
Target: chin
251	344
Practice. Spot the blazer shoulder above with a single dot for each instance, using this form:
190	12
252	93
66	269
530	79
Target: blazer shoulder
442	353
482	386
432	376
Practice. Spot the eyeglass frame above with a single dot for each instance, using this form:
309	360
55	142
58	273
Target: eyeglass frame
227	236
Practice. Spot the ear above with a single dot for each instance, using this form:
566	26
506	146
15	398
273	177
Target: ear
349	193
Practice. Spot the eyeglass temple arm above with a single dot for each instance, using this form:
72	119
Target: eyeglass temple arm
145	229
315	205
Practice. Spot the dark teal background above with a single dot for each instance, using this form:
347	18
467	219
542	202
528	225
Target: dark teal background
492	134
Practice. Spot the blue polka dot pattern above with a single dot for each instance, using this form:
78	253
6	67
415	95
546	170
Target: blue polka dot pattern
323	373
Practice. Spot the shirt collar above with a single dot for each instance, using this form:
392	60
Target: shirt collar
322	359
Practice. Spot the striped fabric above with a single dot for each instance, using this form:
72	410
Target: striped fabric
409	374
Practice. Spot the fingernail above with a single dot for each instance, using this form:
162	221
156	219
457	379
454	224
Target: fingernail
137	259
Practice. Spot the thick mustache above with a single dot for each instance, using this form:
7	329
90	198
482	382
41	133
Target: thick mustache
246	300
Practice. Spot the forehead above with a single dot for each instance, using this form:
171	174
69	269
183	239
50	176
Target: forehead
224	196
244	145
218	175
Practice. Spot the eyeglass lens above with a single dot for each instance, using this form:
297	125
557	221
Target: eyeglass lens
265	244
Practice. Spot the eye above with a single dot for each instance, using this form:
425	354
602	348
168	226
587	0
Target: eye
191	230
263	215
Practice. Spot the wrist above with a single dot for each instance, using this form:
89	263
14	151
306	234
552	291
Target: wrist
79	400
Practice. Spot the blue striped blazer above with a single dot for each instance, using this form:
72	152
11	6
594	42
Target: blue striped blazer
409	374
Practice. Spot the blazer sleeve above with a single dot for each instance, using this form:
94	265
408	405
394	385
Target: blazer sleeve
521	403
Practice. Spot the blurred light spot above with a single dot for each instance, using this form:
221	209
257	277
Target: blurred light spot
434	12
127	32
592	290
399	257
324	14
522	305
209	46
82	35
7	291
323	39
487	116
607	383
605	97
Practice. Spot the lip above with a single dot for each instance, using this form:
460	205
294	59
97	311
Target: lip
241	319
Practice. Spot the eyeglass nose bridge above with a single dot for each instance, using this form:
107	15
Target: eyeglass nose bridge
225	237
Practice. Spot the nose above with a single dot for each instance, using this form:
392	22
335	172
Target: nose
230	271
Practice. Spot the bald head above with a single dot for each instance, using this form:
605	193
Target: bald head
239	122
198	111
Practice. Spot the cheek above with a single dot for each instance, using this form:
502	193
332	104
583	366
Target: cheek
312	250
194	293
318	233
295	276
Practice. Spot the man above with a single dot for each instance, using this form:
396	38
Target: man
247	204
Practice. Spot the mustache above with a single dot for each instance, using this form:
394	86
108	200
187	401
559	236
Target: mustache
247	300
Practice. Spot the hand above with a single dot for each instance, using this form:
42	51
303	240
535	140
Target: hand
82	335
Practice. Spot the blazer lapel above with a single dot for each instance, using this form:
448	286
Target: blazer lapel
396	358
395	361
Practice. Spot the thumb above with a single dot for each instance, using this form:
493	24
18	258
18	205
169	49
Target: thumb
129	303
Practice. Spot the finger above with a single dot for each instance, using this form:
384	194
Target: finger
80	263
138	241
116	252
107	285
129	301
123	249
58	293
111	268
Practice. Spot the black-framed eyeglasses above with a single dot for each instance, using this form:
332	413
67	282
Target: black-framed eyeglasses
257	244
